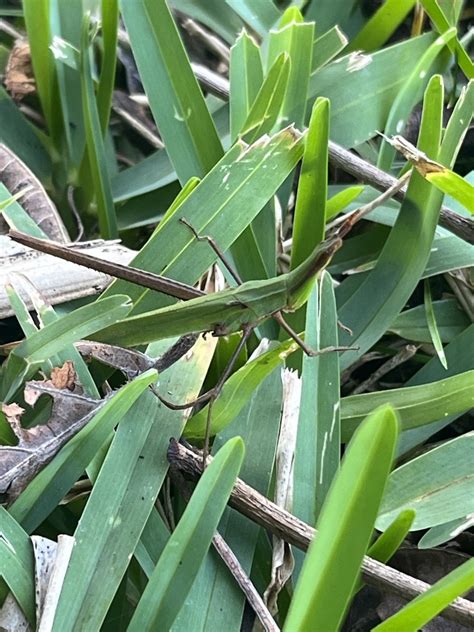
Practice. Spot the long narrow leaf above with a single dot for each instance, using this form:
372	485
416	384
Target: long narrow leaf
425	607
183	554
345	526
176	100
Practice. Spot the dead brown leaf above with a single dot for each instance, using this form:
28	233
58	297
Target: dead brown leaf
38	445
19	77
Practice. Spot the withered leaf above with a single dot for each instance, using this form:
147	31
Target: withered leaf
38	445
64	376
19	78
16	176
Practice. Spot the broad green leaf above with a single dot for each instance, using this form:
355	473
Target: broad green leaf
257	425
345	525
382	25
246	77
442	25
438	485
432	325
43	494
415	405
265	109
451	320
319	434
430	603
407	98
237	391
174	574
95	144
17	565
176	101
310	211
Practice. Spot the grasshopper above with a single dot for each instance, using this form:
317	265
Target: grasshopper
237	309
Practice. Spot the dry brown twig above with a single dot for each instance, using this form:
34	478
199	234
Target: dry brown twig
262	511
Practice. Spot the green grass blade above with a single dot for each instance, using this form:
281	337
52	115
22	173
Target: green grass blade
460	359
20	136
45	491
15	214
109	22
408	97
17	564
425	607
452	184
383	23
450	319
237	391
341	200
257	425
345	526
66	21
187	546
265	109
37	20
295	38
438	485
415	405
95	143
176	100
327	13
70	328
457	127
319	434
48	341
246	77
327	46
373	306
310	211
444	532
216	208
260	15
442	24
388	543
383	74
432	325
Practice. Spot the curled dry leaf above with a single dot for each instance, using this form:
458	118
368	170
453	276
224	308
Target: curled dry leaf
38	445
19	78
16	176
282	557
